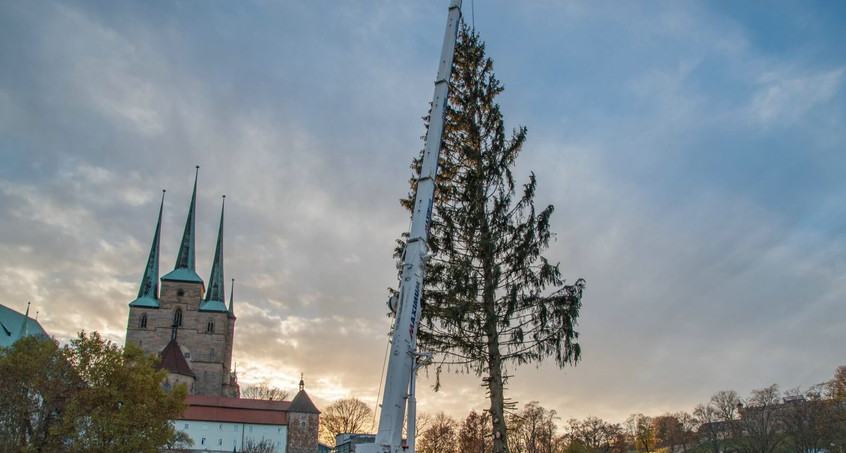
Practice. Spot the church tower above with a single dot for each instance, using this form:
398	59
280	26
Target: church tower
184	323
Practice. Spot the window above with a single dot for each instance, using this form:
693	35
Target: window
186	426
221	428
236	428
211	354
203	441
177	317
251	428
143	323
205	375
210	326
220	441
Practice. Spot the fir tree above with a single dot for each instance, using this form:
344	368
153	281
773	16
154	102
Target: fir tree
491	299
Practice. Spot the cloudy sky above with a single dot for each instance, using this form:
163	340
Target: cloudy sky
694	152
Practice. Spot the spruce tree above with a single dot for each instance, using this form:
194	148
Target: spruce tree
491	299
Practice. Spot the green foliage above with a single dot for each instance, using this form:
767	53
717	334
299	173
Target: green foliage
88	396
491	298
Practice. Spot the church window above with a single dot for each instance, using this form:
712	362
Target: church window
211	354
203	441
220	441
303	423
180	292
177	317
210	326
143	323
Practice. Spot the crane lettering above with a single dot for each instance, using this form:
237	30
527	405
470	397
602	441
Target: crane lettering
414	304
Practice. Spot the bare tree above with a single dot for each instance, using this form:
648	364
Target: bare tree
441	436
532	429
474	435
809	421
264	391
262	446
594	434
709	428
347	415
759	421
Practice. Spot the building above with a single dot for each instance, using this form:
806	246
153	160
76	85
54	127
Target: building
192	329
217	424
190	326
14	326
347	442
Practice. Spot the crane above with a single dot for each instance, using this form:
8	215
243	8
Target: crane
404	359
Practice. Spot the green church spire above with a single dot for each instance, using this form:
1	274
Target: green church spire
216	294
148	293
184	271
232	296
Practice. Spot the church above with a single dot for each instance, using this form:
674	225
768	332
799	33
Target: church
192	329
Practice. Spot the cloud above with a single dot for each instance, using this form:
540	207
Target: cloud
785	98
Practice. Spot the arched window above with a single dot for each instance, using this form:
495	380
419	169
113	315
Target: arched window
211	354
210	326
177	317
143	323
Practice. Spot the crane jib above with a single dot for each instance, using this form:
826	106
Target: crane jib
414	305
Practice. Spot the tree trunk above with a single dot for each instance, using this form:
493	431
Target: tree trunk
496	385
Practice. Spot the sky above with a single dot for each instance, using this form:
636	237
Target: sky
695	153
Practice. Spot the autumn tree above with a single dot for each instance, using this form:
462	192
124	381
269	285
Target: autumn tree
37	382
440	436
347	415
264	391
491	299
642	432
91	395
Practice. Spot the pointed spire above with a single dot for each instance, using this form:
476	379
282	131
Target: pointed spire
148	292
24	330
183	270
302	382
216	294
232	296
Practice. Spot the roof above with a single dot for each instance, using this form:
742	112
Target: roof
183	270
14	325
302	403
216	292
173	360
236	410
148	292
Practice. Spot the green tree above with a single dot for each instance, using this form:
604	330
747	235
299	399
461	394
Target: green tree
88	396
491	299
37	382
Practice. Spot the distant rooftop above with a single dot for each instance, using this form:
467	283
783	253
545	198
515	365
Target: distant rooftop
14	325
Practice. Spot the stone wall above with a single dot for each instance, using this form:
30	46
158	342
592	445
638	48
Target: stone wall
209	353
302	432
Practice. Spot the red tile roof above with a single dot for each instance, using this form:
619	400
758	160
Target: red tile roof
236	410
173	360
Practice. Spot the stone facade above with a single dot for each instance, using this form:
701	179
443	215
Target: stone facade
302	432
205	337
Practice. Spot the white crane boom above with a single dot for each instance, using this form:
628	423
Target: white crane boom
403	359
